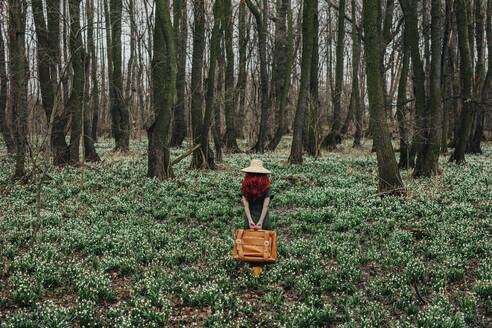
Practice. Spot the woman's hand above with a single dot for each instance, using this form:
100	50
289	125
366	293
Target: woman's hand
252	225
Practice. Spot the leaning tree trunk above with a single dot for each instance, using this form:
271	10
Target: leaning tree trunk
181	28
466	74
76	97
90	150
330	141
119	110
4	127
261	26
428	158
313	123
164	82
401	107
229	105
284	49
307	56
198	160
388	173
356	51
18	81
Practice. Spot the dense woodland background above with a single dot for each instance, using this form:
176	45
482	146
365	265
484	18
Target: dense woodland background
72	71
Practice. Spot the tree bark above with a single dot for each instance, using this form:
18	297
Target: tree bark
119	111
411	26
330	141
4	126
181	28
48	58
284	50
388	173
198	161
90	150
210	95
307	55
313	126
356	50
261	27
428	158
242	74
74	104
466	73
480	77
18	81
486	94
446	82
164	82
218	101
401	107
230	105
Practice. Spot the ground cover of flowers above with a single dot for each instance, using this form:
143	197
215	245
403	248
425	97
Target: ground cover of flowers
128	251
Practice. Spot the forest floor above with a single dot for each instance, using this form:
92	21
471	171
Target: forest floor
128	251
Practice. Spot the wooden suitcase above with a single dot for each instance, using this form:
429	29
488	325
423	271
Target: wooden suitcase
255	246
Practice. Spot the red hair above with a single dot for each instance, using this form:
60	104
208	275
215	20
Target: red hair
254	185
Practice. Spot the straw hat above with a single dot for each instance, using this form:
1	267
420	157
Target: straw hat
256	166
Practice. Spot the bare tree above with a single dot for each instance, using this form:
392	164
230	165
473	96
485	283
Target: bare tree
388	173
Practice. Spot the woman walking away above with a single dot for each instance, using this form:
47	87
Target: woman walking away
256	194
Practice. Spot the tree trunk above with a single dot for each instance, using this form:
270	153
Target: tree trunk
95	87
230	105
261	27
477	134
389	176
4	127
446	82
330	141
401	107
285	53
466	70
181	28
77	96
210	95
428	158
218	101
486	94
307	56
129	89
411	26
90	151
18	81
119	111
47	60
164	82
356	50
242	75
313	126
198	160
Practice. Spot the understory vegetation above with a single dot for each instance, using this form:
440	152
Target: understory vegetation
129	251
